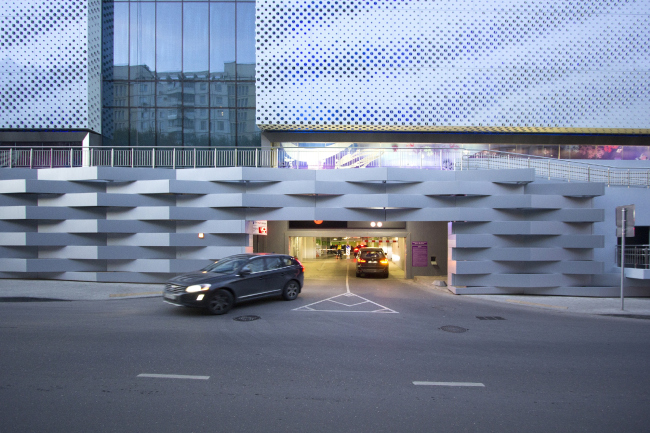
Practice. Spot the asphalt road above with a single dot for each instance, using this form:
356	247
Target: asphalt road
343	357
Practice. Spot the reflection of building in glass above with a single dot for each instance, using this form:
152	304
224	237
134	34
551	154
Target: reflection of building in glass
176	109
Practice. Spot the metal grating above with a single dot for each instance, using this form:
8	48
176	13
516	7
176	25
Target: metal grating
425	65
50	54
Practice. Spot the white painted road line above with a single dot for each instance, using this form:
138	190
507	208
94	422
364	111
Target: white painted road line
449	384
347	277
173	376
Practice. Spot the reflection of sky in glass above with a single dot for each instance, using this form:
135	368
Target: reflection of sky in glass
143	25
121	34
222	35
245	33
195	37
168	37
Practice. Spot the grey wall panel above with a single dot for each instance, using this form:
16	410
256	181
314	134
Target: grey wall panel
209	252
18	226
571	189
69	226
454	188
19	252
521	254
19	173
131	226
13	212
520	280
530	241
523	228
106	224
223	226
139	213
13	239
18	200
69	252
586	267
63	213
63	239
114	174
139	239
65	265
353	201
210	239
211	200
14	265
205	214
287	187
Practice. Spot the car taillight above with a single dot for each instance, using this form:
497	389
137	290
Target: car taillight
301	265
384	262
361	261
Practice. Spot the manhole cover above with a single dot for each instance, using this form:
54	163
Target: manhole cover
452	328
246	318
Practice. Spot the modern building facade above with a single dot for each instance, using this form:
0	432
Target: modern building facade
111	87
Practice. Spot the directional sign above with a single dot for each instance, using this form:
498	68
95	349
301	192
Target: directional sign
629	220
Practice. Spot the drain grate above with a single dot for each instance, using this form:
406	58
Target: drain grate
454	329
490	318
246	318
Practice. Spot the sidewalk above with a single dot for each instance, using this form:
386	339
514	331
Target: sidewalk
74	290
584	305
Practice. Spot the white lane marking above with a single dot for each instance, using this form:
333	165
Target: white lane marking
352	305
449	384
173	376
347	277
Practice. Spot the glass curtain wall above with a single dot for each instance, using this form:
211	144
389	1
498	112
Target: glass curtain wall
179	73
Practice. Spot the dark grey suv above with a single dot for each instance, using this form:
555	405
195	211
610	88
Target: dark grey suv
237	278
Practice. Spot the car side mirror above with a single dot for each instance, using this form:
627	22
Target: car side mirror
246	270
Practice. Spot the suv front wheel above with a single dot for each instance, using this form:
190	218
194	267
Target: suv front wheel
221	302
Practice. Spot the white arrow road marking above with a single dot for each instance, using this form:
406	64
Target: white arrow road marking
347	302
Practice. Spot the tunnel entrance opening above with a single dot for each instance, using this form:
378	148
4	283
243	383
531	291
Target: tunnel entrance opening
412	248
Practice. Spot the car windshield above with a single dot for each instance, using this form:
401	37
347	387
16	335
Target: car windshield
226	266
372	255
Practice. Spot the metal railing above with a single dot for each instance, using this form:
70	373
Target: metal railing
636	256
195	157
551	168
318	158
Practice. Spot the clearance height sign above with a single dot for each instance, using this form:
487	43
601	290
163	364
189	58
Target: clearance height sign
260	227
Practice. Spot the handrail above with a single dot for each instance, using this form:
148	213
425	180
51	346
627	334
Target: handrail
636	256
552	168
319	158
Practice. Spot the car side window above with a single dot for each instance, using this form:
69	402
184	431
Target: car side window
256	265
286	261
274	263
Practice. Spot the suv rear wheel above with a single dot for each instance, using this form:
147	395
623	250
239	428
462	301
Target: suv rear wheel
291	290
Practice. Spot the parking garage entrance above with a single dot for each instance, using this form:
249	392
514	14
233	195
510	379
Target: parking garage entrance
323	245
330	256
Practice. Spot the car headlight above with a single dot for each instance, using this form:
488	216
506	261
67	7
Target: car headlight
197	288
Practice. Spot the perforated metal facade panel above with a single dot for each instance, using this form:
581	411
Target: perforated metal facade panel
50	64
481	65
